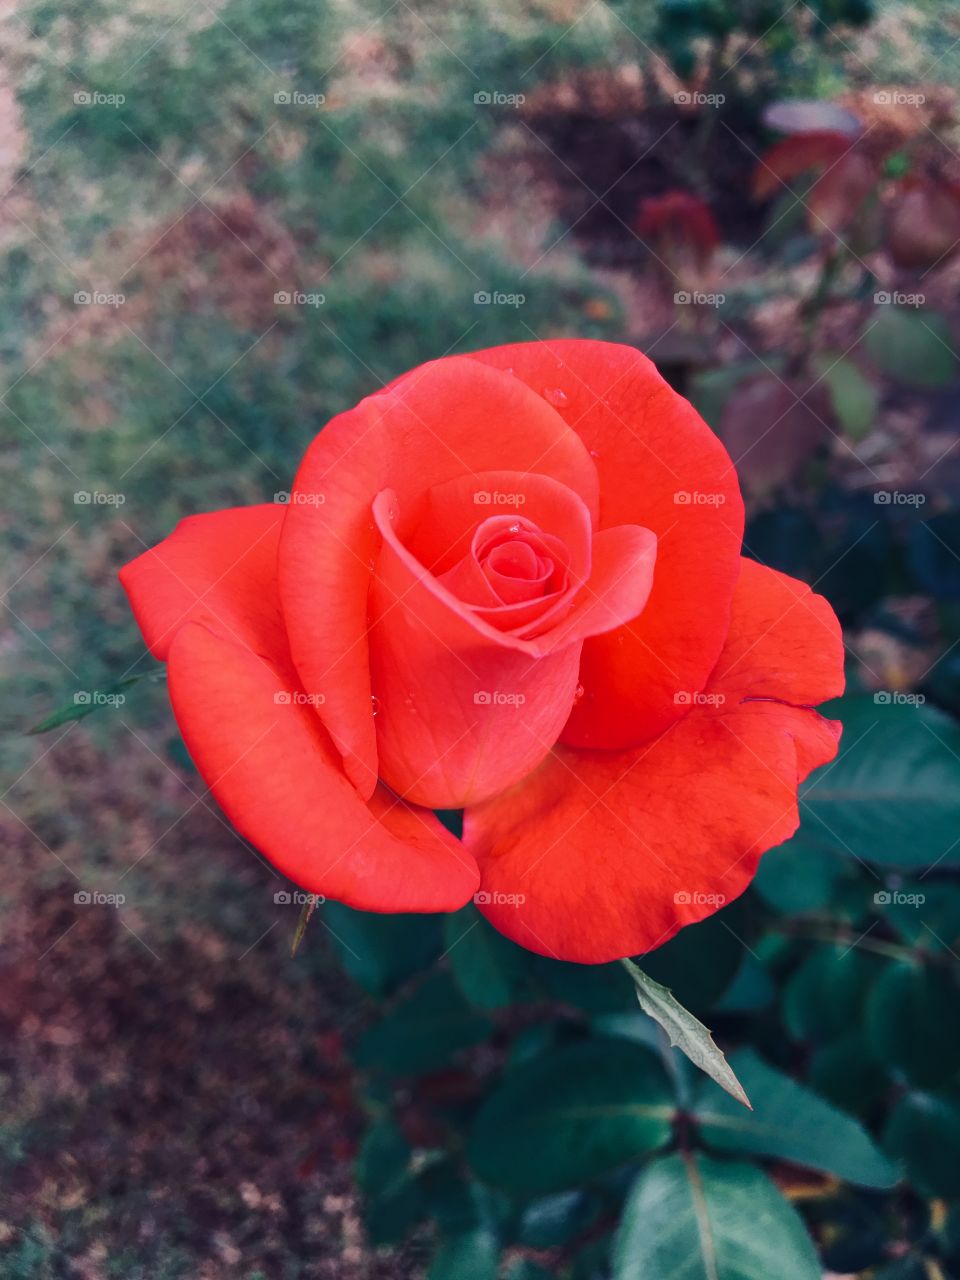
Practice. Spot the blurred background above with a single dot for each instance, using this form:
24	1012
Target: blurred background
225	221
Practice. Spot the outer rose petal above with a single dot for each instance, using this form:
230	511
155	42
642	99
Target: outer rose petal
220	569
275	773
436	423
649	445
612	853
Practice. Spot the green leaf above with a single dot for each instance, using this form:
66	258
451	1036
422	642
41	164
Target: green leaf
392	1200
890	797
382	951
487	967
924	1132
846	1073
560	1120
789	1122
694	1218
686	1033
524	1269
699	962
843	971
86	701
853	397
912	1022
471	1256
912	346
555	1219
800	876
422	1031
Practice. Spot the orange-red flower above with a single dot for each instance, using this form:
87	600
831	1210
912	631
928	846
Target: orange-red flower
510	583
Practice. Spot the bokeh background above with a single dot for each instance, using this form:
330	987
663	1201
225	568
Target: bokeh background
224	222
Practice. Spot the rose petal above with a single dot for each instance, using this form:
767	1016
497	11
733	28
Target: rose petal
274	771
613	852
443	420
652	450
464	709
218	569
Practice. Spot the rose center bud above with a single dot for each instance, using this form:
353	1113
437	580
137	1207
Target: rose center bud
477	618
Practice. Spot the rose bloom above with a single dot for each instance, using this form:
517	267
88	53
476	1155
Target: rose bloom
508	583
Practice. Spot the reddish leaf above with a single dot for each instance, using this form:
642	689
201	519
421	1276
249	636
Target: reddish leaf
839	194
792	156
923	226
769	431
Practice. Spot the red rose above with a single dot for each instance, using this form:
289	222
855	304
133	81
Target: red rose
510	583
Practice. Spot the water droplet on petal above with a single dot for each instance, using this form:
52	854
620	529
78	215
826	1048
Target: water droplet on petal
594	453
509	370
374	703
514	528
554	396
578	695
